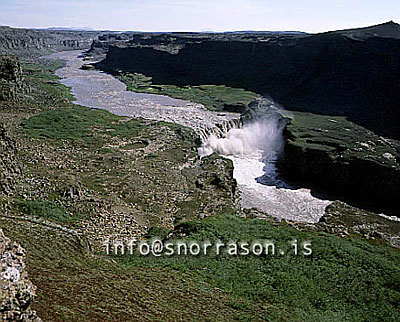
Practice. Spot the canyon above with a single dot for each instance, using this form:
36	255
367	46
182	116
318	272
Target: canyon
135	139
352	73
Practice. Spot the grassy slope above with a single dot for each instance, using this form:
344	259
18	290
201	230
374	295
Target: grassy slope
76	286
343	280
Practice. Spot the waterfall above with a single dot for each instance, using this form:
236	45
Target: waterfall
254	144
261	137
218	130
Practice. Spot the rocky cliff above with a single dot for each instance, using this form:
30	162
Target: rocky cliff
16	290
28	43
173	42
354	73
11	83
343	160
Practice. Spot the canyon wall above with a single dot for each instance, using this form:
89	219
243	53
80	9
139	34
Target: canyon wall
28	43
342	160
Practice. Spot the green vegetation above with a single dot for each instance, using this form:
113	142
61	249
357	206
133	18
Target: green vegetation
42	208
343	279
158	232
213	97
46	67
41	76
68	121
337	135
75	285
77	123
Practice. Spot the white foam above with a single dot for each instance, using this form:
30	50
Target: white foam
253	150
259	139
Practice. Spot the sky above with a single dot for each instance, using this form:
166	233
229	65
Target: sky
199	15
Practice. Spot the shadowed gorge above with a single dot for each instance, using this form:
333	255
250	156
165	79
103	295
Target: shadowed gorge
352	73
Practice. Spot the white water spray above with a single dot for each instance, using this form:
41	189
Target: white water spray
254	150
259	139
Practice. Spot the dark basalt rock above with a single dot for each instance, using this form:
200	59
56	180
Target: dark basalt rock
87	67
343	160
10	69
10	168
265	109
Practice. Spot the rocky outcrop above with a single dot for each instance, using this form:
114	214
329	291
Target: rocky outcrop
344	220
101	45
352	73
11	83
261	109
10	69
16	290
216	185
217	173
9	165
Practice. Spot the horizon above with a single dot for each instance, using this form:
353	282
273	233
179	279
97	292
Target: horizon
77	28
191	16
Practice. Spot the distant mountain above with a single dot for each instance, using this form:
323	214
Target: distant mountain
69	28
266	32
387	30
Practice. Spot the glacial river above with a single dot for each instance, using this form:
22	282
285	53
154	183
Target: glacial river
100	90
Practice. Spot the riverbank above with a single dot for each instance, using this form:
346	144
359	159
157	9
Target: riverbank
99	90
